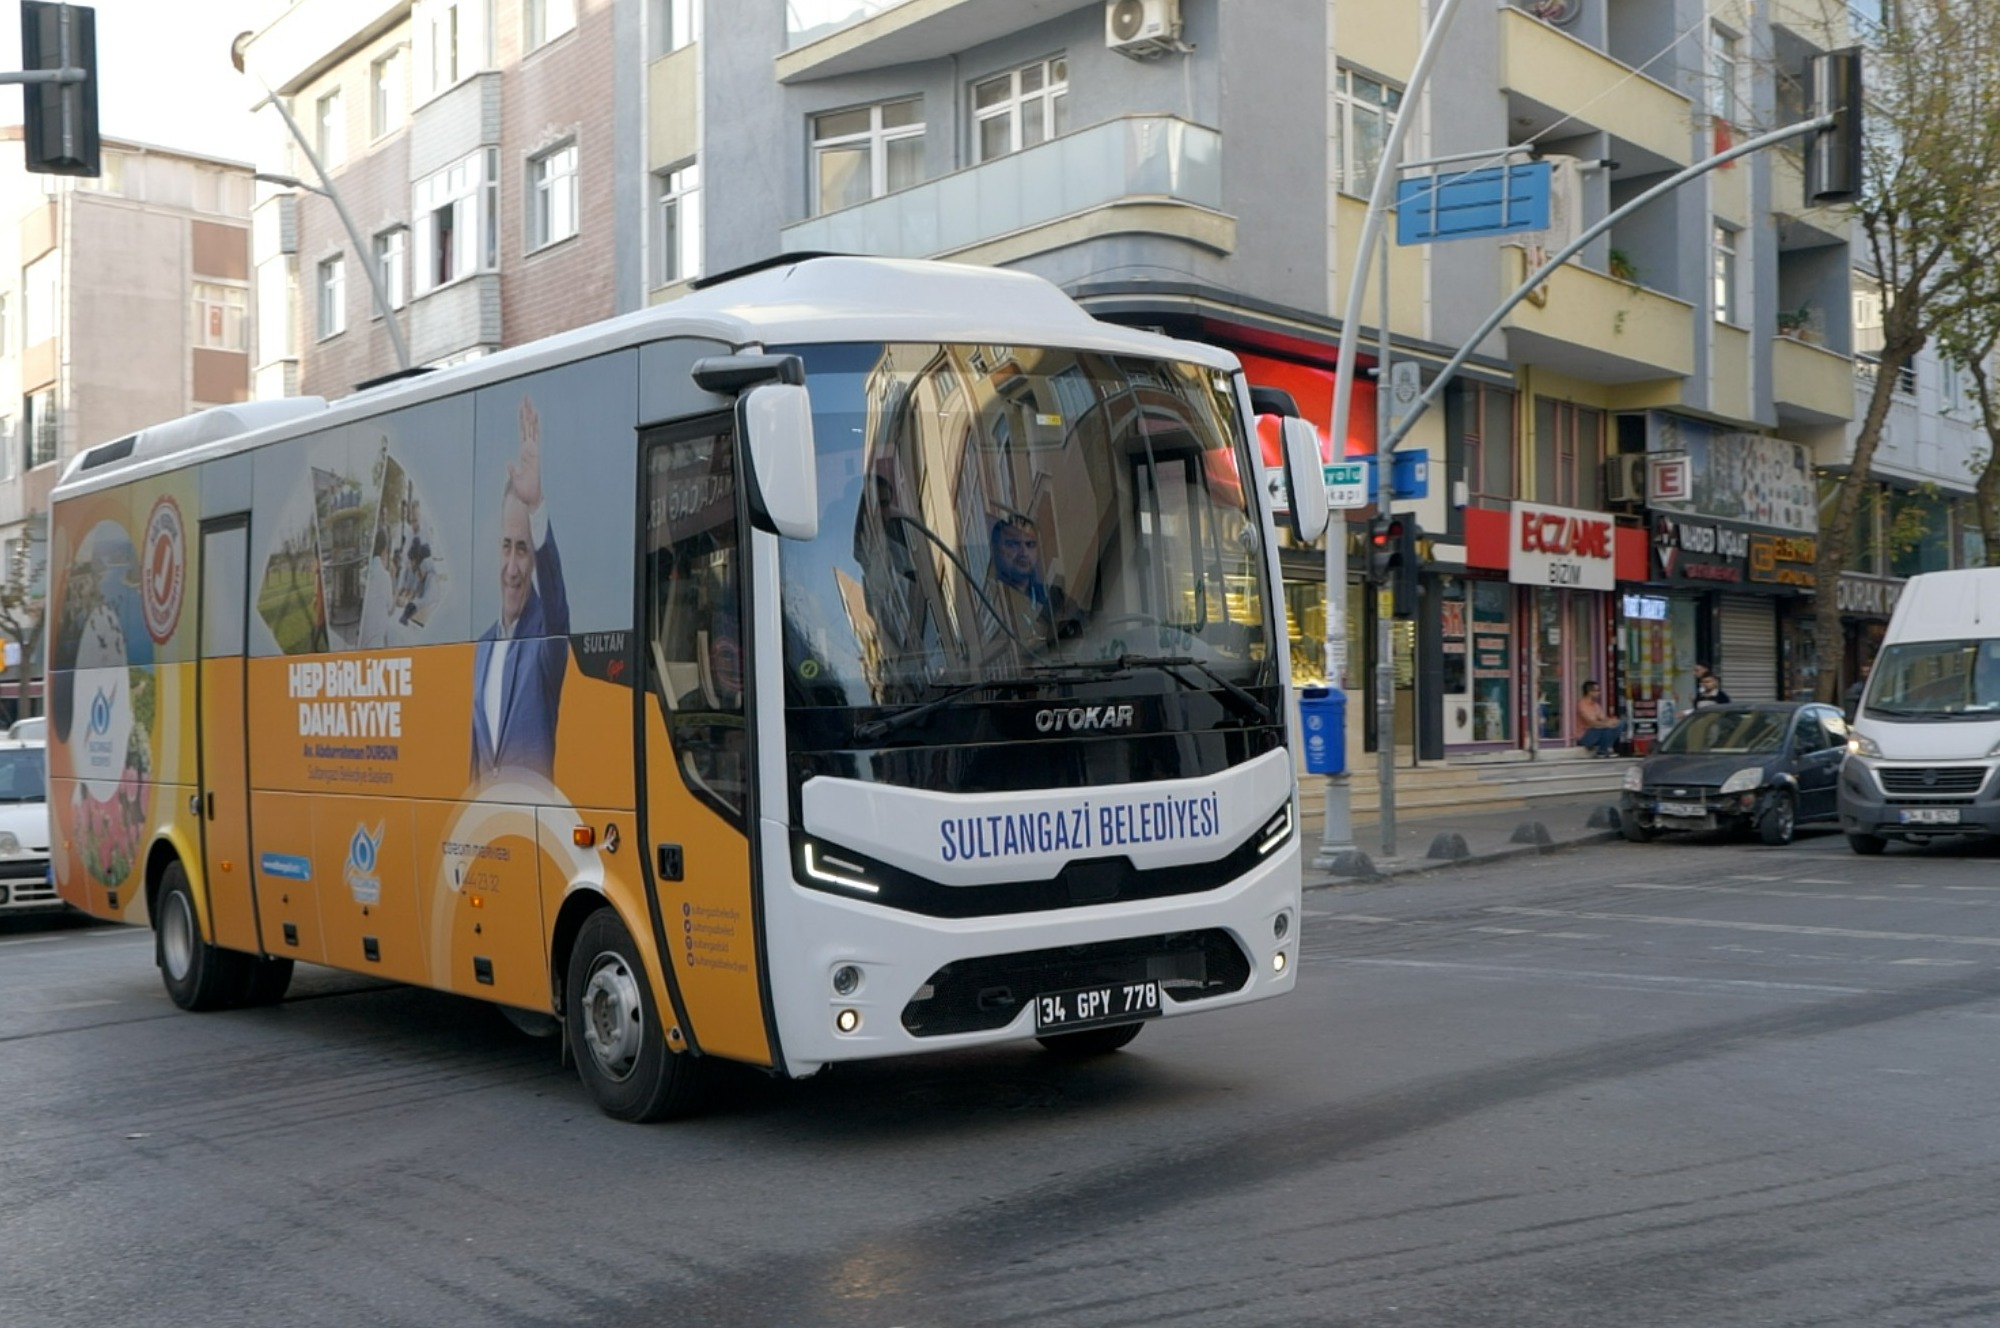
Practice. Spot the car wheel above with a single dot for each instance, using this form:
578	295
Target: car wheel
1628	826
1090	1041
621	1048
1867	845
1779	821
198	976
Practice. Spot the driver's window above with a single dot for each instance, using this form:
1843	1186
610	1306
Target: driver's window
1806	734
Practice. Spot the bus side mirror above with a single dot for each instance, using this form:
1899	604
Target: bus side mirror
774	424
1305	479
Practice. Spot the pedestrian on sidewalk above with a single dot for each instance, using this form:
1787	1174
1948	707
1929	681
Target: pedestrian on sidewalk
1708	691
1596	729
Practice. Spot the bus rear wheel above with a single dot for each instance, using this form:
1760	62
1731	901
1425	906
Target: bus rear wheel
621	1047
198	976
1090	1041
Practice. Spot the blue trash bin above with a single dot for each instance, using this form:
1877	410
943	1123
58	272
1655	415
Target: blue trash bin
1323	722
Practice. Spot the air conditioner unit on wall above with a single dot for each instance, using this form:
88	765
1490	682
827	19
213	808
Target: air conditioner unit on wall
1142	28
1625	478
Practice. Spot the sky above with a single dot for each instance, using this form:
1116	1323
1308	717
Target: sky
164	75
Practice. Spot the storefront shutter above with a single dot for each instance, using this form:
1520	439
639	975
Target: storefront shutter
1747	663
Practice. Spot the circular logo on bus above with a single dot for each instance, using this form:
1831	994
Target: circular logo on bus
163	570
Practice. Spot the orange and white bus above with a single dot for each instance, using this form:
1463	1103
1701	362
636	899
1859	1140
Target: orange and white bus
854	658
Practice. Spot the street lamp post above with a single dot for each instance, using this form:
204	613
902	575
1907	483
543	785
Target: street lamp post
325	189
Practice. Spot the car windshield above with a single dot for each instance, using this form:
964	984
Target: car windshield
992	513
21	775
1727	732
1936	680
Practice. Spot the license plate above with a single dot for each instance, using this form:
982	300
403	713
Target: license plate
1690	811
1086	1007
1928	816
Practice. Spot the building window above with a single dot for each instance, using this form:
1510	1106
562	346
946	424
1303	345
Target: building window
548	20
677	244
387	92
10	457
42	425
392	263
451	42
1021	108
866	152
6	323
1569	454
552	196
1489	444
221	316
332	296
674	24
41	298
1724	66
455	211
1365	110
1725	274
331	142
277	302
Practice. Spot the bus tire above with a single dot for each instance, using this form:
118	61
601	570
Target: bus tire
1090	1041
621	1047
198	976
267	981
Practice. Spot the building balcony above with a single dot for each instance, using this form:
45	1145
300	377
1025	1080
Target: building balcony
1142	174
1551	77
1598	328
827	38
1810	384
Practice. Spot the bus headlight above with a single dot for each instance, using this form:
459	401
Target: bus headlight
837	871
1276	830
846	980
847	1020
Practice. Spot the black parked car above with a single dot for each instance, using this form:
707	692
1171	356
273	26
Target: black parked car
1765	767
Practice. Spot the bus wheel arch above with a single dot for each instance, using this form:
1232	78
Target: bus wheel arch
616	1030
163	854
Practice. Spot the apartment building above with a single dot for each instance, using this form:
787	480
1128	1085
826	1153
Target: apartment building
125	301
487	153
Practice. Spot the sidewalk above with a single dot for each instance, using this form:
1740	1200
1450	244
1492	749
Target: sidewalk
1478	834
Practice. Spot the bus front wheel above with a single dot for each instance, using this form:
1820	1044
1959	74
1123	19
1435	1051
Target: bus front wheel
199	976
621	1047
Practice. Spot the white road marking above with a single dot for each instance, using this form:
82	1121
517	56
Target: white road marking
1507	931
1360	917
1935	963
1821	895
1781	928
1644	979
74	1005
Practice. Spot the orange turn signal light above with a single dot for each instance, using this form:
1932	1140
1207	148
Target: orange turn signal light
583	836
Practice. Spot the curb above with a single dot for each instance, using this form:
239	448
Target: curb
1427	866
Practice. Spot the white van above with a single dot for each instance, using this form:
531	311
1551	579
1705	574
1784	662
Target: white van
1925	739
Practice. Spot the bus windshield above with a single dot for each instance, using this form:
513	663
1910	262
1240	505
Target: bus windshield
1929	680
996	512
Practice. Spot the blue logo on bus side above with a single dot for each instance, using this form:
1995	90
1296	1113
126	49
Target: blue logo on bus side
100	714
286	866
363	851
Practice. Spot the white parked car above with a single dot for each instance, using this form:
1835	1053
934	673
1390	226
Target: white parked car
35	729
25	882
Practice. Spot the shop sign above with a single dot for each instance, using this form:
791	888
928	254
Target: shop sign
1700	552
1784	560
1491	657
1556	546
1867	596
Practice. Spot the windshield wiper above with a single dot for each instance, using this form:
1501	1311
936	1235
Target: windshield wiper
871	729
1171	666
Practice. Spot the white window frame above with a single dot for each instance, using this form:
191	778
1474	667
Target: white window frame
677	224
224	304
1725	73
388	91
330	305
875	138
10	449
1349	106
671	25
468	190
330	129
391	252
1052	95
44	438
552	195
453	42
546	20
1727	274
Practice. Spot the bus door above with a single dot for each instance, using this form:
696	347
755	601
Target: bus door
695	760
223	793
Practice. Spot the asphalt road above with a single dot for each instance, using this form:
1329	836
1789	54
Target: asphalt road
1705	1084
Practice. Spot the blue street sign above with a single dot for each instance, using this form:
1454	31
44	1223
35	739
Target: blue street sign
1410	467
1493	200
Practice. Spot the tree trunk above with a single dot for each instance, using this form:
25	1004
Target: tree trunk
1837	527
1986	493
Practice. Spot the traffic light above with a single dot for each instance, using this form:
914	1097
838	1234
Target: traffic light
1385	547
1833	156
60	119
1403	582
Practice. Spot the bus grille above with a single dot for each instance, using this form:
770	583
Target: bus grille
974	995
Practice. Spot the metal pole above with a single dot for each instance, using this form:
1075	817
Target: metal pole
1385	618
363	255
1337	852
